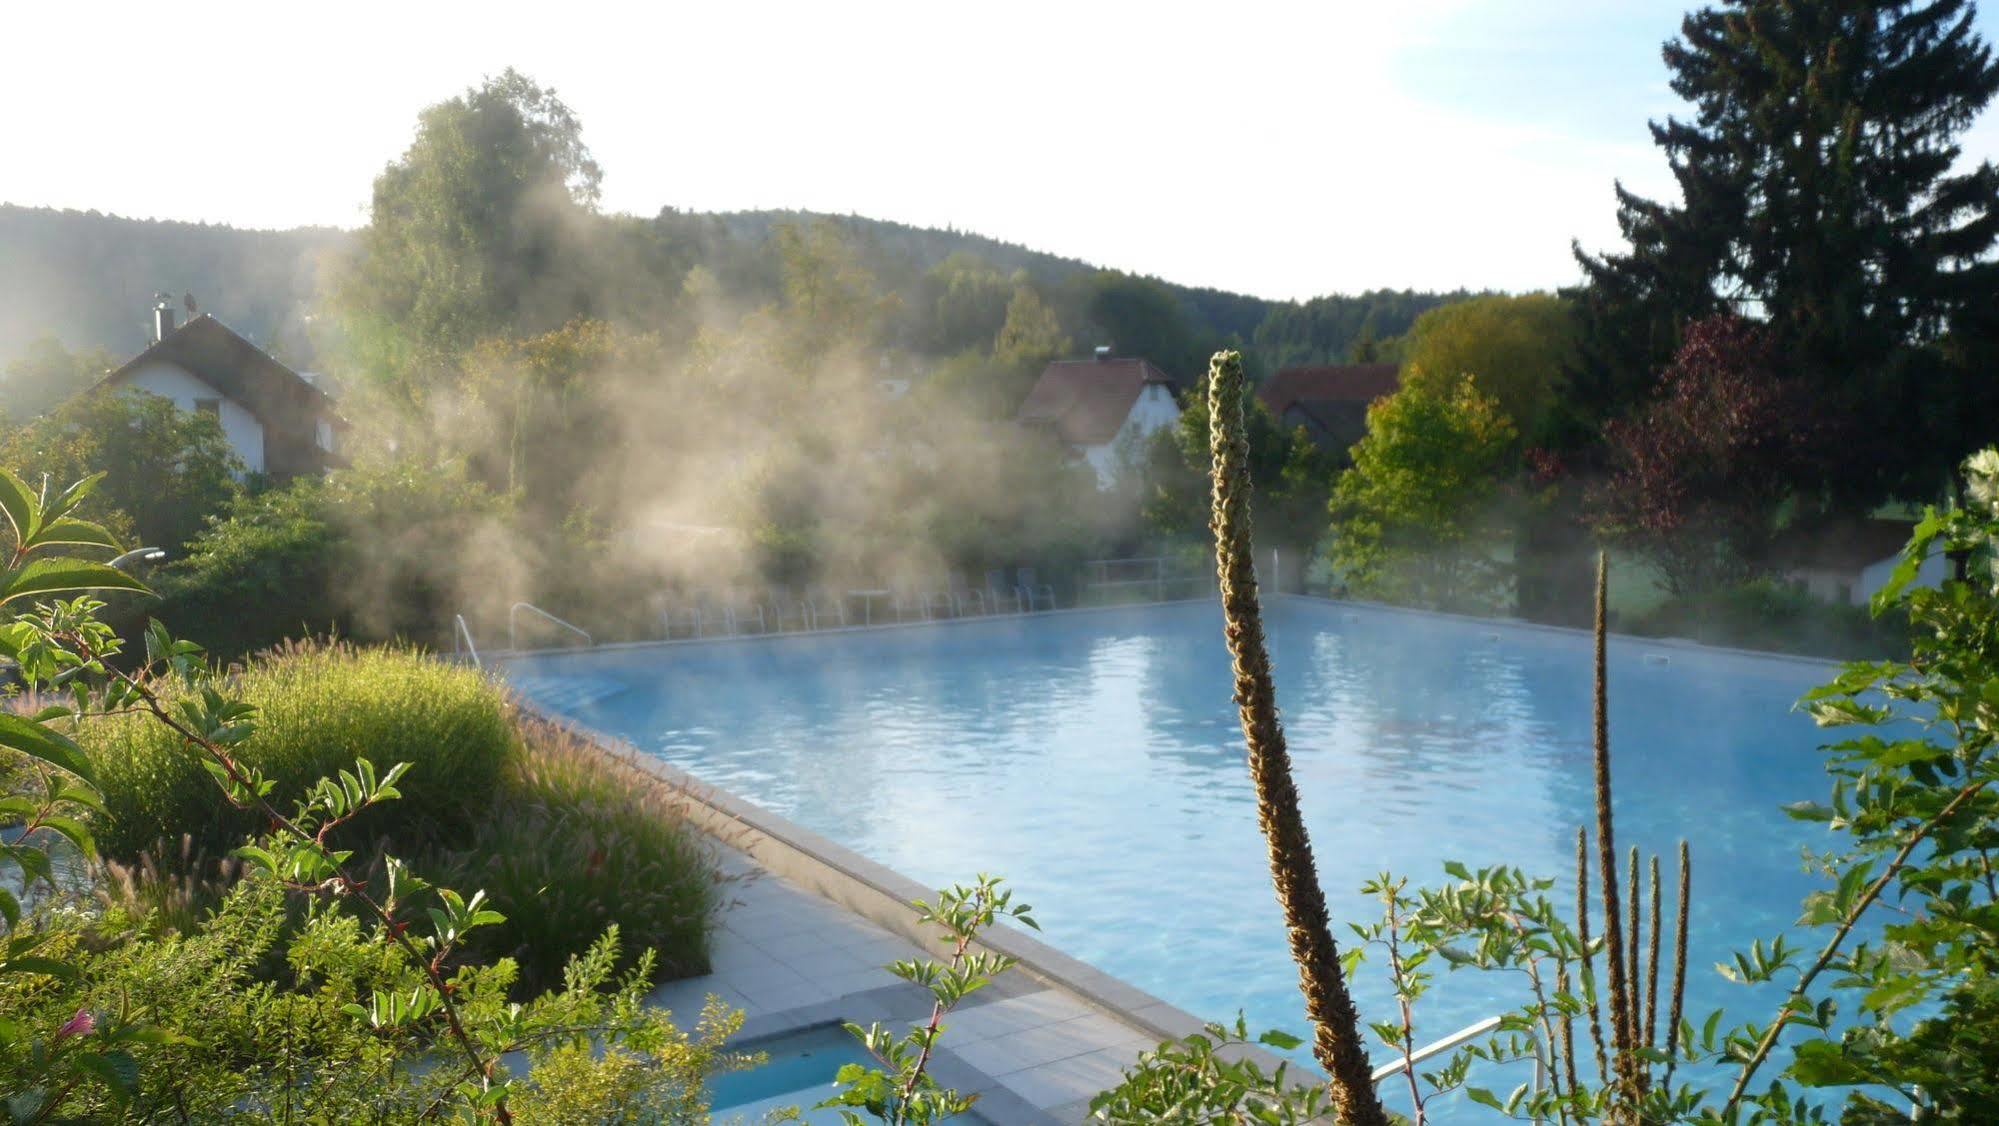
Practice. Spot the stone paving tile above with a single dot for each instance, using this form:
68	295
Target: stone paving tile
1067	1081
1032	1047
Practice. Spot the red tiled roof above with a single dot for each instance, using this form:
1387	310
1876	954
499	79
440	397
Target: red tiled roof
287	406
1086	401
1339	383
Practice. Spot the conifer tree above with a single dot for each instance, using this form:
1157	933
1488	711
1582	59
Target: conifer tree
1820	192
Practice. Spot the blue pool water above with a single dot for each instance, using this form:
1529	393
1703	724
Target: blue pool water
797	1072
1093	759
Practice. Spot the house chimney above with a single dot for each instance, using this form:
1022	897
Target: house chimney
163	321
1103	353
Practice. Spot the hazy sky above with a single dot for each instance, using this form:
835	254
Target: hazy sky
1284	150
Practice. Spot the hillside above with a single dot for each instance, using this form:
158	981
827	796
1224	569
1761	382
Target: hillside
88	279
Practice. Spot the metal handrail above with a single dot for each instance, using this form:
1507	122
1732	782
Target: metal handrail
1435	1047
460	629
513	613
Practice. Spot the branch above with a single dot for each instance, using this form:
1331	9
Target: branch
1770	1035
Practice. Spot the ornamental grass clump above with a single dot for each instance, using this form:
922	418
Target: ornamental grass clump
579	841
320	706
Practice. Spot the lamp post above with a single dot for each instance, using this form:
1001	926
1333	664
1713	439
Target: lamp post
149	554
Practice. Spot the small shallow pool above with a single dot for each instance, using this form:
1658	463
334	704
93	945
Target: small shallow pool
1093	759
797	1073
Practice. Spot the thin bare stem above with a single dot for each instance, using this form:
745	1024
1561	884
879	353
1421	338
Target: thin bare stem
1402	1000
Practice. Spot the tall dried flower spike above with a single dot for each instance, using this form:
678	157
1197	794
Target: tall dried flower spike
1587	981
1619	989
1679	965
1336	1025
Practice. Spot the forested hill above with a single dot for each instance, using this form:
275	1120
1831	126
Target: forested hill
87	279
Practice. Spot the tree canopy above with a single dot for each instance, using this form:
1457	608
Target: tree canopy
1818	192
1414	516
1515	349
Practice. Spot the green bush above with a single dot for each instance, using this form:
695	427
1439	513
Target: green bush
1779	616
359	553
579	842
321	706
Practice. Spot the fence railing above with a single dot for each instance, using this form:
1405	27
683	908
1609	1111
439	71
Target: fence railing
686	615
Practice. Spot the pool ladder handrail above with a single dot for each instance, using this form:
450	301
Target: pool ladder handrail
1399	1064
461	631
513	617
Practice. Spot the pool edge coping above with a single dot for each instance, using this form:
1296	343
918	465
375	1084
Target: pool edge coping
883	896
1680	644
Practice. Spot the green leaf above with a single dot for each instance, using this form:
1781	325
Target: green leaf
1282	1041
70	530
49	576
45	743
117	1070
18	502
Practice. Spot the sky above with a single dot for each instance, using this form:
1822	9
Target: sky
1284	150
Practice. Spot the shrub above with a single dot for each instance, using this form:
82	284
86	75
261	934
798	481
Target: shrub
1770	614
250	1016
165	470
359	553
578	842
321	706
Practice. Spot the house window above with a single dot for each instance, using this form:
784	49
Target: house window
210	407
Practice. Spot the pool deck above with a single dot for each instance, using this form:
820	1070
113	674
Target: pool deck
791	959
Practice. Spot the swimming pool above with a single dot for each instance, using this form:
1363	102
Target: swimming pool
1093	759
797	1074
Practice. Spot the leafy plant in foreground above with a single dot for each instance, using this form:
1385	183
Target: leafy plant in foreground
901	1091
412	994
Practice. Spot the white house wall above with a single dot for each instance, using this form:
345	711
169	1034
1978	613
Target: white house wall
1153	411
239	426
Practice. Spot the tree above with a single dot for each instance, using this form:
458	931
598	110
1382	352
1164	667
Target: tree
1341	329
1698	477
1031	335
475	229
1292	476
1413	518
47	374
1144	317
1515	349
166	470
831	299
1818	191
963	300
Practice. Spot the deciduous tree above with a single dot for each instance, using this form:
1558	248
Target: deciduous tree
1698	477
1515	349
1414	519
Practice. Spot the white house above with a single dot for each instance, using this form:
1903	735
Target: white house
276	420
1848	561
1102	406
